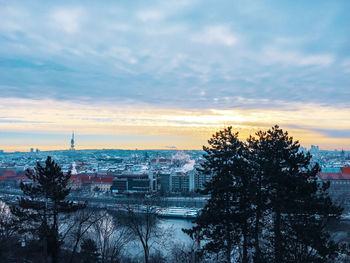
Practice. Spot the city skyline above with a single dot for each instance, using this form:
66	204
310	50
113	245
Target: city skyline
72	143
165	75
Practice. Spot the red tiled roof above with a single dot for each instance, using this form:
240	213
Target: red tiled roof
84	178
345	170
21	178
102	180
330	175
9	173
345	175
89	179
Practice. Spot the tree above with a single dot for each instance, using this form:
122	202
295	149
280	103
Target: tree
142	222
39	213
265	200
8	235
292	208
78	226
259	197
7	228
89	252
225	220
111	237
185	253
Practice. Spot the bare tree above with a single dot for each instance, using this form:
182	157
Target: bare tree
111	237
77	226
142	221
185	253
8	232
7	226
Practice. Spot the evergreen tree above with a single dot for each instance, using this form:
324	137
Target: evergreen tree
89	251
259	200
293	208
39	212
307	217
265	199
226	219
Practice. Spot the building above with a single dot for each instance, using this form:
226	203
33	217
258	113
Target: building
314	149
200	179
160	163
132	183
91	182
339	179
102	186
180	182
164	182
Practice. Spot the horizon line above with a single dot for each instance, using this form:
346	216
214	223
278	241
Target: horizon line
136	149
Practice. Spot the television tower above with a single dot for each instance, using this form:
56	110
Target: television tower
72	142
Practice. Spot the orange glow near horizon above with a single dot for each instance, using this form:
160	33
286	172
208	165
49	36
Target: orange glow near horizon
145	127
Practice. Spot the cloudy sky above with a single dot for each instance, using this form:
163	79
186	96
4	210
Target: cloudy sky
165	74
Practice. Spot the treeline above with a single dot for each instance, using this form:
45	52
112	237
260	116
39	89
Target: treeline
44	227
266	205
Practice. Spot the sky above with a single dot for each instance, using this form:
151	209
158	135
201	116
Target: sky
168	74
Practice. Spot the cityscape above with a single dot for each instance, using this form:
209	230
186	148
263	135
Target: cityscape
174	131
109	179
169	172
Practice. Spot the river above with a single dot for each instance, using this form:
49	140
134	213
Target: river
174	237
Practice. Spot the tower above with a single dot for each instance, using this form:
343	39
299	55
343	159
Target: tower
72	142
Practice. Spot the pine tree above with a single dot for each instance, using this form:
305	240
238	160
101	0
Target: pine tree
39	212
266	200
259	199
291	199
225	221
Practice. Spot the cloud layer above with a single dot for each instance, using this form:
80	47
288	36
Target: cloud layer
124	126
177	56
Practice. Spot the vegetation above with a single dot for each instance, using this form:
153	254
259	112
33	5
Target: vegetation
89	252
45	227
142	222
39	214
266	204
224	221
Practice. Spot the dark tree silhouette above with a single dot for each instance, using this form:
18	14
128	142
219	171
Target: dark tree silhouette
266	200
291	206
39	212
225	220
